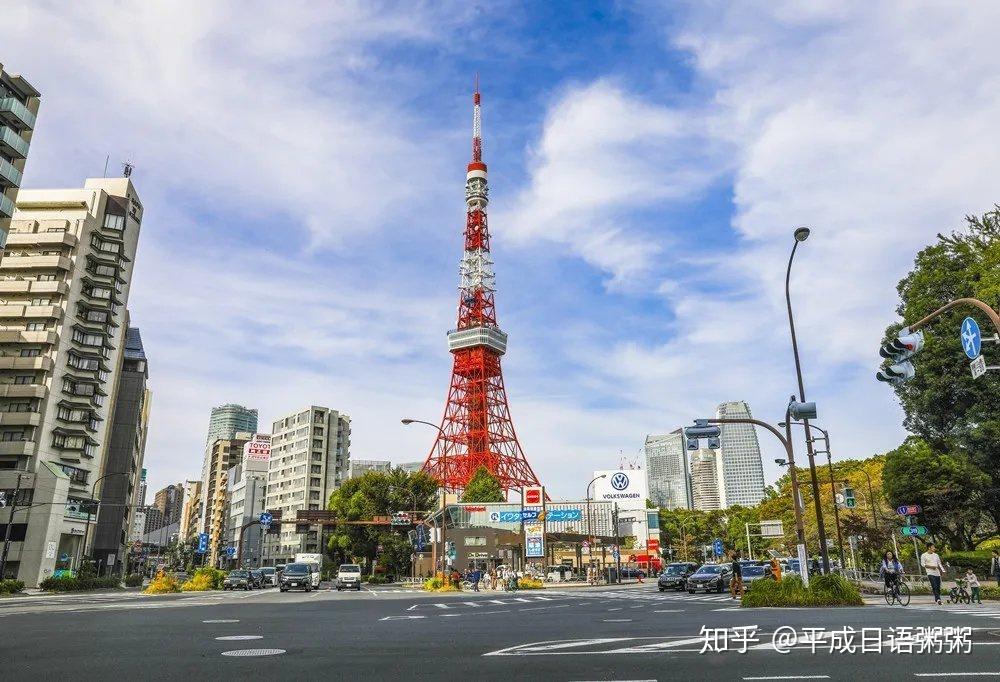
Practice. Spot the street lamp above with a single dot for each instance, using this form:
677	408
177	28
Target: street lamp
801	234
86	528
444	491
590	526
833	491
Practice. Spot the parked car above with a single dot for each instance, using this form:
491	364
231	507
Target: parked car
270	575
296	577
674	576
348	576
238	580
710	577
755	571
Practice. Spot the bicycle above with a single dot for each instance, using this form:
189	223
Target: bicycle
897	592
959	593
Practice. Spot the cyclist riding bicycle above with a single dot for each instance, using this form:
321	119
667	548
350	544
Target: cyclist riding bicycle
891	570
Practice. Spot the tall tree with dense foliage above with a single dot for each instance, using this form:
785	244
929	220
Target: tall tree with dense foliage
952	412
377	494
945	484
483	487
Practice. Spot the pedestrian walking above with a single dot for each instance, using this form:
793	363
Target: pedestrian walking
977	596
995	566
736	581
931	563
776	569
477	575
493	578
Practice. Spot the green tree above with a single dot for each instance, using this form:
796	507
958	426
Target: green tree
943	404
945	484
483	487
376	494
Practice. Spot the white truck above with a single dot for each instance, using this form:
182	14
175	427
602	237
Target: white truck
317	563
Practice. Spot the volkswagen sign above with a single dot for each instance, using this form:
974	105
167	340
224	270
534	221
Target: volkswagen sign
627	488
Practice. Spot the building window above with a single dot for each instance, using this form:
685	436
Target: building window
41	301
9	436
114	222
35	326
23	379
475	541
30	352
88	339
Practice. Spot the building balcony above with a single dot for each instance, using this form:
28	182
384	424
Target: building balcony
46	238
20	419
9	176
32	311
16	114
23	391
20	336
14	261
17	447
39	363
24	286
6	206
12	144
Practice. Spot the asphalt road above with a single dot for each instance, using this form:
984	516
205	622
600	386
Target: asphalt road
632	633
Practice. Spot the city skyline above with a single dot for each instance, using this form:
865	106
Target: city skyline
665	267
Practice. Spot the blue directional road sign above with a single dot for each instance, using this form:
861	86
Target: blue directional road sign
529	514
202	543
266	518
510	516
972	339
230	552
421	537
717	547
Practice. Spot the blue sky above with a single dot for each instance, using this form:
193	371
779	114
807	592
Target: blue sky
302	169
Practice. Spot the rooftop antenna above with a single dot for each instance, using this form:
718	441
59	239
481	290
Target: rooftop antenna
107	159
127	167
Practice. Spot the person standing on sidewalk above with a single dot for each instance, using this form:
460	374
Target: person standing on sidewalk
931	563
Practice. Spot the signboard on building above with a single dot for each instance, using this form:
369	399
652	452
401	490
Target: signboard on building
627	488
533	495
534	540
258	449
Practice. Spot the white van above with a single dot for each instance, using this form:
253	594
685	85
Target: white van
349	575
317	563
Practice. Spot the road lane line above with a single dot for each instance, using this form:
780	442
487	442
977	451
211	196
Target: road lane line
987	674
789	677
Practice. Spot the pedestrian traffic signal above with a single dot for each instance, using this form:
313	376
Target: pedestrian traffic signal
849	500
898	352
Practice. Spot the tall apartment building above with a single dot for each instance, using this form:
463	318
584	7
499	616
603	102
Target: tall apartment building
140	499
124	455
169	501
743	471
310	455
64	284
707	490
359	467
191	510
220	456
228	420
246	489
18	109
667	471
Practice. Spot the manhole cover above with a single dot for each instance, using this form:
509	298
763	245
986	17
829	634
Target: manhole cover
220	621
254	652
235	638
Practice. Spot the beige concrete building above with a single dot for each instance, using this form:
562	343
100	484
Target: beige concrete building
191	510
310	454
220	455
707	488
64	284
18	109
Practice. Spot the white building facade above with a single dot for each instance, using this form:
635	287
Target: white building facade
743	471
667	471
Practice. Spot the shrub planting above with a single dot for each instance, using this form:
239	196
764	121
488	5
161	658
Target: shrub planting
133	580
73	584
11	586
162	584
823	590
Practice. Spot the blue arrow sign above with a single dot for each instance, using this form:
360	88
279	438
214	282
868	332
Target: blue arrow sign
230	552
266	518
717	547
972	339
202	543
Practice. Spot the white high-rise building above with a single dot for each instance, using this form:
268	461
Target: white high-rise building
667	471
743	472
359	467
310	454
707	488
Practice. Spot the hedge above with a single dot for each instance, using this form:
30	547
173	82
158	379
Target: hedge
205	579
823	590
73	584
978	561
11	586
529	584
162	584
133	580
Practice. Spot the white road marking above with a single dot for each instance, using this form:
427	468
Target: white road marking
790	677
402	617
236	638
618	620
669	611
990	674
253	652
221	620
620	608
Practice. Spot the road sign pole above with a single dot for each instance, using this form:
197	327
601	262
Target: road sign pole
6	533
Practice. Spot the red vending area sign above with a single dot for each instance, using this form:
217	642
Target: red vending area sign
653	545
532	495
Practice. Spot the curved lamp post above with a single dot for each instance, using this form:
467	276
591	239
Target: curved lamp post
590	526
444	492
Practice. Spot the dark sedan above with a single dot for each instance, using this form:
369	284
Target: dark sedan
674	576
710	578
754	572
238	580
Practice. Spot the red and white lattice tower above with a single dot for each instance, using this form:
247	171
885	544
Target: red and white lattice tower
476	429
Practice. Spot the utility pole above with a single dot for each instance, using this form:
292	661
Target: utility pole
618	547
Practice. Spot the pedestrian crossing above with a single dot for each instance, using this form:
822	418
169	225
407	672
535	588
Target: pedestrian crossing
658	597
985	610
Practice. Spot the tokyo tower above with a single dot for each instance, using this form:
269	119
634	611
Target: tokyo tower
476	429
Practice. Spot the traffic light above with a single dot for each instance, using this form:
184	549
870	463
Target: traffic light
899	351
702	429
849	500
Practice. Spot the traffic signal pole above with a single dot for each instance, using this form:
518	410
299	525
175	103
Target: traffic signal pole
975	302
